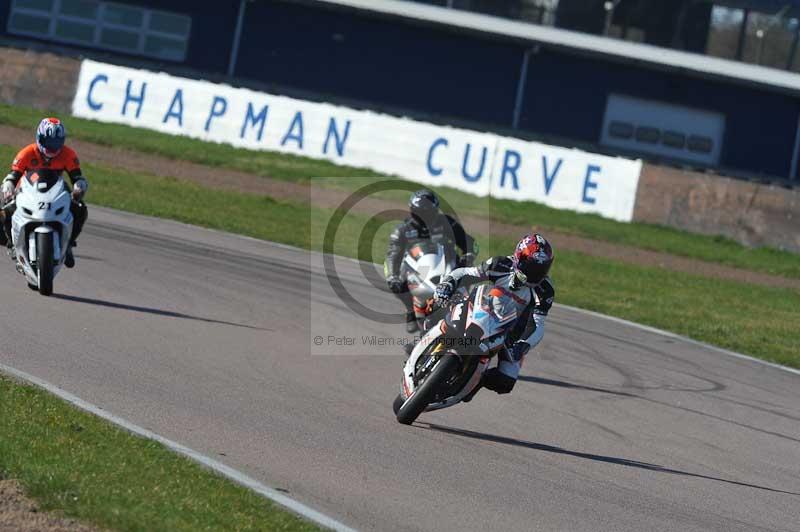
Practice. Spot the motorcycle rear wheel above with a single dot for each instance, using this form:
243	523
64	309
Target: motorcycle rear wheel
411	408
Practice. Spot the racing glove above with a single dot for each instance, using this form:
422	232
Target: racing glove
8	190
395	284
79	188
444	290
467	260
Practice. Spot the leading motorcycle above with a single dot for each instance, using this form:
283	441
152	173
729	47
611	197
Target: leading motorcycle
41	227
447	364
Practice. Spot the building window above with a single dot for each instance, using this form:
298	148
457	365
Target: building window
674	139
106	25
650	135
769	40
664	130
621	130
725	31
754	37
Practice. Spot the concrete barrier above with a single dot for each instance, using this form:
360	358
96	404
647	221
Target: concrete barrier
751	213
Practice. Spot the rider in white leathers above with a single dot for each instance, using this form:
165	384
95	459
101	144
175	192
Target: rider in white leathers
523	277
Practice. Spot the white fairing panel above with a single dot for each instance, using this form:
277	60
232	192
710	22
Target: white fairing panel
411	364
47	209
426	271
493	308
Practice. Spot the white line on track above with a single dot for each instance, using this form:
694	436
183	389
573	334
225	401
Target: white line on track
680	338
226	471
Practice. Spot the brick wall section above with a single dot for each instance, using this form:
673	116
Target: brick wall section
751	213
40	80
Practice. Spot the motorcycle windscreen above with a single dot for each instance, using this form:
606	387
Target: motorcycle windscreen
493	310
43	179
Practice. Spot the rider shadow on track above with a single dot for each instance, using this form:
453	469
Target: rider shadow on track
89	258
587	456
571	386
154	311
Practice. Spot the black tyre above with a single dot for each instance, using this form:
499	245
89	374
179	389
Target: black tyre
398	402
415	405
44	262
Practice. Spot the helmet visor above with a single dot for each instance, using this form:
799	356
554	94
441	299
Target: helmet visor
51	145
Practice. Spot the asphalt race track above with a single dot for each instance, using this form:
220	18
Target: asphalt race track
206	339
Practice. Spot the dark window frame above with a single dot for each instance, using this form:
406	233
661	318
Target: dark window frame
143	32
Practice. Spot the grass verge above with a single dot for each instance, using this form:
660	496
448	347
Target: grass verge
719	250
76	463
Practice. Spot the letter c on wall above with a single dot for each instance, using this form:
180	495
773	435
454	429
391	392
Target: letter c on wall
95	106
434	171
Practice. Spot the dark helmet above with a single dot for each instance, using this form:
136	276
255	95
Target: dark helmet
424	205
533	258
50	137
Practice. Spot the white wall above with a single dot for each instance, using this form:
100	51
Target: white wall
471	161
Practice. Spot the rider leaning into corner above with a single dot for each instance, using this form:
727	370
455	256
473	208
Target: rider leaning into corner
524	277
49	153
426	222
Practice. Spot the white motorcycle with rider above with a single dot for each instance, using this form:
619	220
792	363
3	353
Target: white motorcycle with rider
425	245
41	215
497	309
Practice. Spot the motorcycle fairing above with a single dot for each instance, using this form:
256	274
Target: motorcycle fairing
425	265
483	317
42	205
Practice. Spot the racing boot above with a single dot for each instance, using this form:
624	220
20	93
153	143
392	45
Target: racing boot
12	253
411	322
5	235
69	259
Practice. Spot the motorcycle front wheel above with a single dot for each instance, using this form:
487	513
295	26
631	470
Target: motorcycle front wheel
415	405
44	262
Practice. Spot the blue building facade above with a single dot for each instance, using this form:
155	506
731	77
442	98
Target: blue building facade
436	72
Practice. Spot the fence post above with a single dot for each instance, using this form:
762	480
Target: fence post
796	154
237	37
523	79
